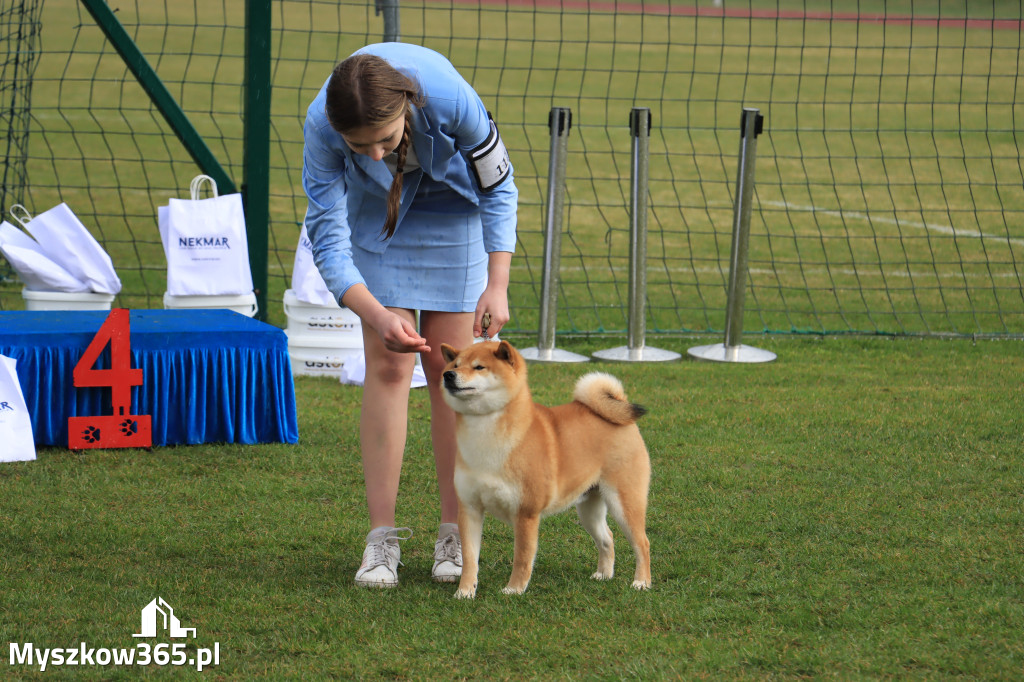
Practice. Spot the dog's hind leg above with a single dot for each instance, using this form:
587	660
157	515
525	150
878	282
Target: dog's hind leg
471	527
526	528
628	507
593	513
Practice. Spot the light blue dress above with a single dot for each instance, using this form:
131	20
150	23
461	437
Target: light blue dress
437	258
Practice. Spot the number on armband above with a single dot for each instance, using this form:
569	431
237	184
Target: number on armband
122	429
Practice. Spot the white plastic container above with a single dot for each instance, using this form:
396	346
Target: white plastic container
317	320
242	303
320	354
60	300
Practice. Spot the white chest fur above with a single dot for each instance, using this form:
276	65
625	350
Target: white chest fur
484	448
483	443
492	493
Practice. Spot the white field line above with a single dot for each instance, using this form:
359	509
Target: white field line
857	215
871	271
784	273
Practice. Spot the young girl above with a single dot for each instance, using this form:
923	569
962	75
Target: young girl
412	207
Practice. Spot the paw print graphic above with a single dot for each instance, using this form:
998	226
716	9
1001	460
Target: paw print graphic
129	427
91	434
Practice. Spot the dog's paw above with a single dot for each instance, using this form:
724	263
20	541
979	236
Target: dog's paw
641	584
602	576
465	594
513	590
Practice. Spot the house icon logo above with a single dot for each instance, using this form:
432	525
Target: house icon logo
157	613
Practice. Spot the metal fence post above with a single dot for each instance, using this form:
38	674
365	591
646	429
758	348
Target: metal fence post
559	122
636	350
256	158
389	8
751	125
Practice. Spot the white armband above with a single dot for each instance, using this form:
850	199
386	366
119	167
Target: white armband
489	161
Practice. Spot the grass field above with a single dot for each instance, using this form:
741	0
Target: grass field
853	510
888	179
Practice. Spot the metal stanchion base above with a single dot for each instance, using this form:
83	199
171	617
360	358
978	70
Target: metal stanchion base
641	354
719	352
537	354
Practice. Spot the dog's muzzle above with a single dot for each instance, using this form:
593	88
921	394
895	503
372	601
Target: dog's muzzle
450	379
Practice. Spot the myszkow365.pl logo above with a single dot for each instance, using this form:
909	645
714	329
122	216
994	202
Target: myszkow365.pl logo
157	617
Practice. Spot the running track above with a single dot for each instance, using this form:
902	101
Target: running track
748	13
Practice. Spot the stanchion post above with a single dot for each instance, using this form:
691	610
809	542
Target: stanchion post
637	350
389	8
751	125
559	122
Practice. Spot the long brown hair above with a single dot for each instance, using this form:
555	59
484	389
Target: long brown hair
365	91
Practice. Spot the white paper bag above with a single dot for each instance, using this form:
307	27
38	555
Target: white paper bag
16	441
66	241
308	285
34	267
205	244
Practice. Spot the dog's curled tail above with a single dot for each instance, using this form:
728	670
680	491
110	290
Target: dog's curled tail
604	395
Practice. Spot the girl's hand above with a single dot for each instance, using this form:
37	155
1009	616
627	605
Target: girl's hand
399	335
493	302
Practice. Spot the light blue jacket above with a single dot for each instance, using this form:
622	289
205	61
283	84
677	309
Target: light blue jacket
347	191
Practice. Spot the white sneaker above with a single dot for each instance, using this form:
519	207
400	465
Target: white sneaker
382	557
447	555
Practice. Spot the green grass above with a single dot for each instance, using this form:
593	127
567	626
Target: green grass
852	510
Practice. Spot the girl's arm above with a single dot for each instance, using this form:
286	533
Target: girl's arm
494	300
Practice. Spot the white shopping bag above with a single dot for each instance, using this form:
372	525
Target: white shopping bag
67	242
308	285
16	442
34	267
205	244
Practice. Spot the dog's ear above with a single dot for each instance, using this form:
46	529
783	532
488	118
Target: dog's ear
506	353
448	353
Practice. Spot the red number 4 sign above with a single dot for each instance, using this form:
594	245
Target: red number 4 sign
121	429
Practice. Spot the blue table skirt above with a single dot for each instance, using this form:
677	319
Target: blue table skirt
208	375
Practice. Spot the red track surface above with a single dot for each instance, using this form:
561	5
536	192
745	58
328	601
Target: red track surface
746	13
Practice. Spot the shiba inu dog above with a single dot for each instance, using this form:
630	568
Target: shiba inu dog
521	461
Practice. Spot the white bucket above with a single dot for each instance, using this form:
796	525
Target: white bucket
60	300
318	320
320	354
242	303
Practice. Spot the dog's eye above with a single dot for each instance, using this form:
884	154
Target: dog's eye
478	367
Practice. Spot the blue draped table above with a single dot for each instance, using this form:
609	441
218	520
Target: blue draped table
208	375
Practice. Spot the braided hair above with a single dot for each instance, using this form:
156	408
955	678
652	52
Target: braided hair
364	91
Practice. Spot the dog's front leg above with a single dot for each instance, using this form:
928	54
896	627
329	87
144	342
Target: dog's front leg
471	526
526	529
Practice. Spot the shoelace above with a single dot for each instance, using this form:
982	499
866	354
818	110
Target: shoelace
380	551
449	549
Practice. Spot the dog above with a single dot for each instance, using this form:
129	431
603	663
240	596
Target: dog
521	461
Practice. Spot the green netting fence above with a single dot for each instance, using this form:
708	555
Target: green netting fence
889	197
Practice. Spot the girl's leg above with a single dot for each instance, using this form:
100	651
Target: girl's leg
383	423
455	329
